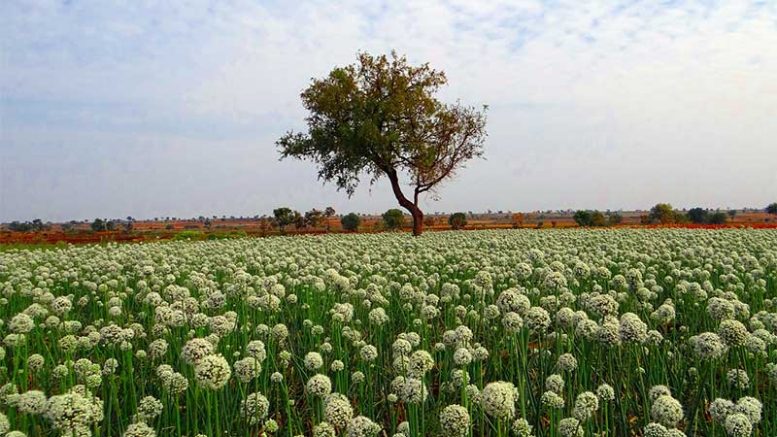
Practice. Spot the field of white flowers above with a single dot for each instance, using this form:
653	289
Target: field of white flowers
661	333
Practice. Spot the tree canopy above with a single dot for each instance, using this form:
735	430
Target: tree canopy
350	222
393	219
380	118
457	220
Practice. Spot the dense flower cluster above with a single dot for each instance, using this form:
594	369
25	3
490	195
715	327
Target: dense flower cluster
660	333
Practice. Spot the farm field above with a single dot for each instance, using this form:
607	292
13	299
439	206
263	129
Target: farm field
559	333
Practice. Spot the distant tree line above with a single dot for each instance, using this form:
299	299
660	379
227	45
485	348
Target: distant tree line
394	219
36	225
663	213
596	218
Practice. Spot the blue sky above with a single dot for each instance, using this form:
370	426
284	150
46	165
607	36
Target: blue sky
172	109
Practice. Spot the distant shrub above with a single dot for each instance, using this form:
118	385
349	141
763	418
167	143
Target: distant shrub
393	219
614	219
705	216
457	220
697	215
598	219
582	217
717	218
663	213
189	235
350	222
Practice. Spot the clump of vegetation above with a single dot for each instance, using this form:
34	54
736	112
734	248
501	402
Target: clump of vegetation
457	220
595	218
705	216
350	222
36	225
393	219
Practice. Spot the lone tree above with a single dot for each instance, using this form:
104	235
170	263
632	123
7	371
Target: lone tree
283	217
663	213
380	117
457	220
698	215
393	219
582	217
350	222
772	208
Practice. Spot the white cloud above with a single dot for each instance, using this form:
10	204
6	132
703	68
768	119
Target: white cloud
592	104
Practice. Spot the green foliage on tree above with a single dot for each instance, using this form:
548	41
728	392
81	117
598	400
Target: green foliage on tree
697	215
98	225
704	216
350	222
663	213
283	217
36	225
457	220
594	217
393	219
598	219
614	219
772	208
582	217
717	218
314	218
329	212
380	118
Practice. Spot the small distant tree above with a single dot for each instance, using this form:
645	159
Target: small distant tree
17	226
283	217
110	225
697	215
717	218
129	224
393	219
299	220
772	208
663	213
457	220
314	218
98	225
38	225
582	218
329	212
614	219
350	222
731	213
598	219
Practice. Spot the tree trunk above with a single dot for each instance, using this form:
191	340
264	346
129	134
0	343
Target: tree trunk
418	221
404	202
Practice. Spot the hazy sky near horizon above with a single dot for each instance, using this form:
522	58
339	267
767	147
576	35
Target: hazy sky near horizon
172	109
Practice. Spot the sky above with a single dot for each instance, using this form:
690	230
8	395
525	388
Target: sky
145	108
